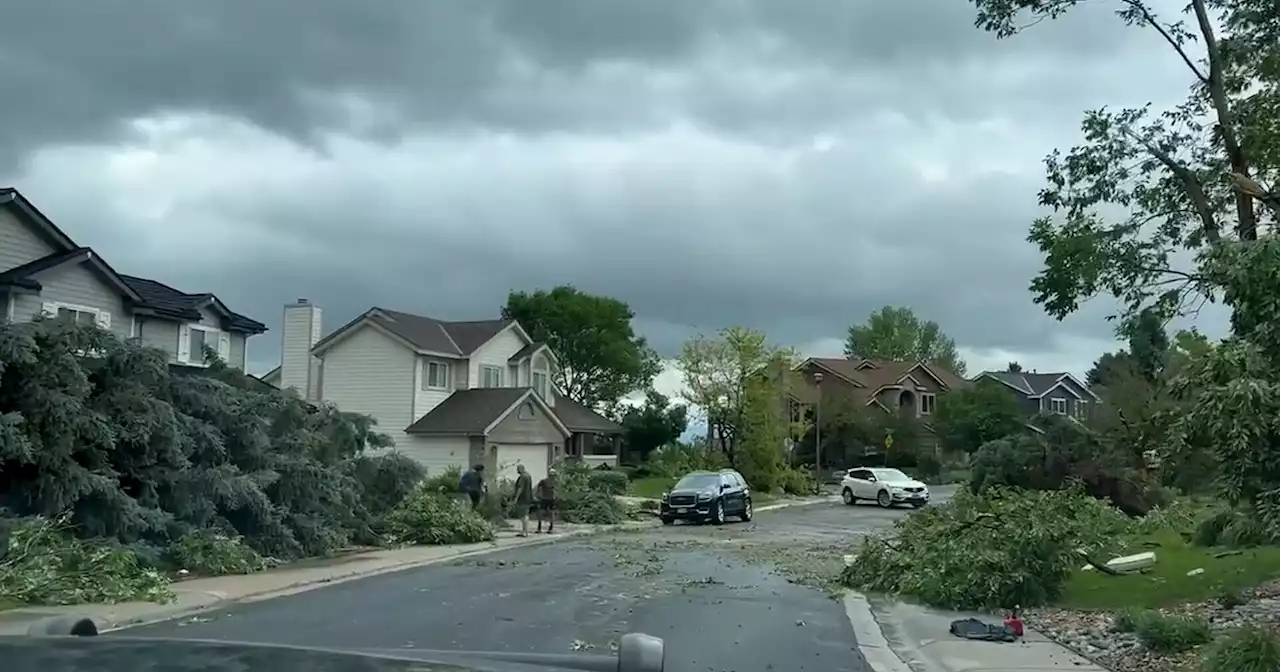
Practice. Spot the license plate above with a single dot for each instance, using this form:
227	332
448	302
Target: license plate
682	510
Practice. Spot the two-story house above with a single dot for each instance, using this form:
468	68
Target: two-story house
44	272
450	394
892	387
1049	393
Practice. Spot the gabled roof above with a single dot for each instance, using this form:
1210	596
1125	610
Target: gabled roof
458	339
172	303
146	294
1034	384
17	204
476	411
24	275
867	377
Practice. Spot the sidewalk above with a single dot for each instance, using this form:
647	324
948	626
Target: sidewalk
198	595
899	637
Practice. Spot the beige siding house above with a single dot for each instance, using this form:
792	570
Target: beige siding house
450	394
44	272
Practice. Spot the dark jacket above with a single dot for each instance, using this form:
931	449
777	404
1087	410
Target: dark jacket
471	482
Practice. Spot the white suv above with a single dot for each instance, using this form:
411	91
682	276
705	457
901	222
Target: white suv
885	487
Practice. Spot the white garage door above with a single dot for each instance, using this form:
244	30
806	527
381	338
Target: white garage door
532	456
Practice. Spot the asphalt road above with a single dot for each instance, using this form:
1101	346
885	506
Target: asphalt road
738	597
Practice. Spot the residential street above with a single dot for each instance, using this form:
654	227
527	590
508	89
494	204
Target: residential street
739	597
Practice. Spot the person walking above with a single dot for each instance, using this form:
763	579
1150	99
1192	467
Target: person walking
547	501
524	498
472	483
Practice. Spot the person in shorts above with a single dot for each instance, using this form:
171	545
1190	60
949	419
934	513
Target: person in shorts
523	497
546	491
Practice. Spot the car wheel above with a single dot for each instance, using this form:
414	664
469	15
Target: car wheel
848	497
747	512
884	500
668	521
717	518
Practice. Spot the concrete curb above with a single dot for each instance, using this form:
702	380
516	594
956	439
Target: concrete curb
870	637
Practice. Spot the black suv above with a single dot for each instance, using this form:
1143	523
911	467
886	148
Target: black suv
707	496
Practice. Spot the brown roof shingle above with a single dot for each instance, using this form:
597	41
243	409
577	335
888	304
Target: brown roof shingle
467	412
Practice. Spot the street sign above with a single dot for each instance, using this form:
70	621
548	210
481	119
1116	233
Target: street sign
888	442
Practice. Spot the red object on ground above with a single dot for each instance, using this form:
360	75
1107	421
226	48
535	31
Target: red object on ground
1014	623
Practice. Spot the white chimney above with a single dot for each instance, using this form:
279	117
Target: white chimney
298	369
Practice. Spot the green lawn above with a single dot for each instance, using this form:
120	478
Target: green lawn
1168	583
651	487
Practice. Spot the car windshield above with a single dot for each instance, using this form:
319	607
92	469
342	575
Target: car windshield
890	475
698	481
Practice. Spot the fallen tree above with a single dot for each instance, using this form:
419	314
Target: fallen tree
1003	548
98	433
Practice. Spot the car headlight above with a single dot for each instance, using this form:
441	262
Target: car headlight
897	489
664	496
704	497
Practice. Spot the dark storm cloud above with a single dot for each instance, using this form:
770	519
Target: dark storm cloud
82	66
697	238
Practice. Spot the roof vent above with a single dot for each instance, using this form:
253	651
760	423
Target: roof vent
303	301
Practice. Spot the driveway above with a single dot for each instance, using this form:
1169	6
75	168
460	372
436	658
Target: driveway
743	596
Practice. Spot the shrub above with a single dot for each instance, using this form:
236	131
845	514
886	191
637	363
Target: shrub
1232	528
430	518
1170	634
1244	650
445	482
1003	548
43	564
796	482
211	553
608	481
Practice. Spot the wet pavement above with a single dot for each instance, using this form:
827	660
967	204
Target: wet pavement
742	596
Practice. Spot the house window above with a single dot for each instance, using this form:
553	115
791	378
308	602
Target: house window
78	316
194	338
928	403
435	376
540	383
1058	406
1082	410
491	376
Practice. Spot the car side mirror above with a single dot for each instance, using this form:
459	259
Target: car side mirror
724	486
871	479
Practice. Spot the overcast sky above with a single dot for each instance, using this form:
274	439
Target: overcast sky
789	166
